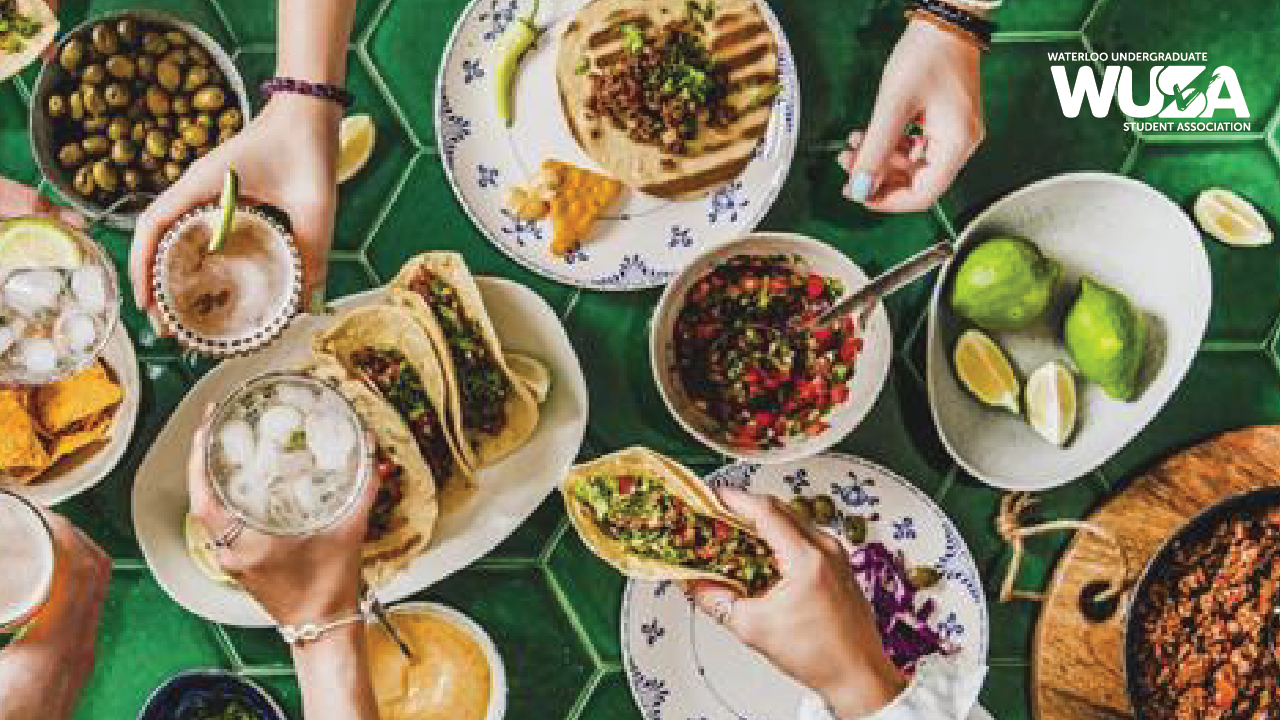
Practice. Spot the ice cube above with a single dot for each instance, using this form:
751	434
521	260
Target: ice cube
249	493
278	423
290	464
76	332
301	397
331	439
33	292
89	285
38	356
11	328
238	443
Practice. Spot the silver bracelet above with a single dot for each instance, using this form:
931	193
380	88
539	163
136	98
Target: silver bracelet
310	632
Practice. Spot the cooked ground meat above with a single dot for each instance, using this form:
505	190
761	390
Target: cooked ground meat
1206	646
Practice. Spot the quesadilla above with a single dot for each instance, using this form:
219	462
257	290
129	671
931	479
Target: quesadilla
30	27
493	413
669	96
653	519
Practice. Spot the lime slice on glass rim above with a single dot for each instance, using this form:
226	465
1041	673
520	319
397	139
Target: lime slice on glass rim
36	242
230	197
985	371
1051	402
200	548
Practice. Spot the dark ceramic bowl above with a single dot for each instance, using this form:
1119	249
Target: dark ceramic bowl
181	692
1198	528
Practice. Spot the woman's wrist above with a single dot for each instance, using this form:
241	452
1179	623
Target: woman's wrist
858	695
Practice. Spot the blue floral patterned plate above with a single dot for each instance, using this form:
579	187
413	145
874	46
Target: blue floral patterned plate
646	240
683	666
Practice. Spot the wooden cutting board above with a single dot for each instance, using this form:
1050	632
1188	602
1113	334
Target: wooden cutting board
1078	668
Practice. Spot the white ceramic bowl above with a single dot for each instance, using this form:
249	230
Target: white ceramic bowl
1120	232
870	370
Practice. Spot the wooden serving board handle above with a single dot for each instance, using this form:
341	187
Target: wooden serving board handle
1078	666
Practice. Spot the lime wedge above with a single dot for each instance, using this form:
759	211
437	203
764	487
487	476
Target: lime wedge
985	371
200	548
230	197
1051	402
35	242
356	137
1231	219
532	373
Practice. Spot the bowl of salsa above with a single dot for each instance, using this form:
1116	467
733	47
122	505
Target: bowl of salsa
741	370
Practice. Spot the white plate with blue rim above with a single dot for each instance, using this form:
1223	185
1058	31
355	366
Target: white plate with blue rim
646	240
681	664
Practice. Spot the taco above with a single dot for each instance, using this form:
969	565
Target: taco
405	511
669	96
493	413
653	519
29	28
384	348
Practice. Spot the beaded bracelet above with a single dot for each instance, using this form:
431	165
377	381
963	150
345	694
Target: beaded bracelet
949	17
310	632
332	93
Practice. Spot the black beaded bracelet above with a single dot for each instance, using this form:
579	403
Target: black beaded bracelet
980	28
332	93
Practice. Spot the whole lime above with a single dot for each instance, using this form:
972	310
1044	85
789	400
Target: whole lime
1004	284
1107	339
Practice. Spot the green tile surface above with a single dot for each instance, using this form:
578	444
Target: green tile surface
552	606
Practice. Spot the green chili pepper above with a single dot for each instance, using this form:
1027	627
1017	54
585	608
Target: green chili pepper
519	37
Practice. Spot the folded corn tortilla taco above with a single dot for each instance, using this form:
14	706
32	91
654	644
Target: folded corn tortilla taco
492	411
404	514
59	406
384	348
719	56
653	519
19	47
23	456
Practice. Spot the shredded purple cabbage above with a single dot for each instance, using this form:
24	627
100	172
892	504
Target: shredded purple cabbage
903	626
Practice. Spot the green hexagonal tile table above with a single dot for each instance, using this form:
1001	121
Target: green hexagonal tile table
550	605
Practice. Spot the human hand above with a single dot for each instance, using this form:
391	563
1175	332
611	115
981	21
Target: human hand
814	624
286	157
306	579
18	200
932	78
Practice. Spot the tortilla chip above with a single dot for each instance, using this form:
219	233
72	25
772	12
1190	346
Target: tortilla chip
581	199
22	454
59	406
79	438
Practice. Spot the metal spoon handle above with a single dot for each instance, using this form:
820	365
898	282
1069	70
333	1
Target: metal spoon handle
905	273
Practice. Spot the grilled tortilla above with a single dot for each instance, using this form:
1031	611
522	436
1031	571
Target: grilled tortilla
737	37
32	47
692	539
404	514
492	411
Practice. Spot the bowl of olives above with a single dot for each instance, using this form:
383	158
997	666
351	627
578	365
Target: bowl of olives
128	103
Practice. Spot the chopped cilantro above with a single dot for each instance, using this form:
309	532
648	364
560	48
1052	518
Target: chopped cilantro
297	441
582	67
632	37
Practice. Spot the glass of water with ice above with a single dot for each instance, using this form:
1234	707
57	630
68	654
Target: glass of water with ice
59	301
287	454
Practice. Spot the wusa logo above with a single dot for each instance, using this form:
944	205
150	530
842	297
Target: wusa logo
1175	92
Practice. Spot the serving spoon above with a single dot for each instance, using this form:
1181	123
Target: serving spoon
861	302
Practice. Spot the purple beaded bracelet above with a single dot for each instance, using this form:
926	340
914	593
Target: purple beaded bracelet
332	93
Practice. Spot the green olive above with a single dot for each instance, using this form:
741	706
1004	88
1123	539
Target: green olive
105	39
225	134
75	104
158	101
71	155
855	529
231	119
209	99
802	507
138	133
203	150
116	95
824	510
172	171
179	151
57	106
195	135
118	129
154	44
157	143
146	66
129	31
197	77
198	56
94	74
73	55
132	178
184	122
181	105
123	152
206	120
168	75
923	577
164	121
95	124
83	182
138	108
121	67
96	145
149	162
177	56
105	176
177	37
94	102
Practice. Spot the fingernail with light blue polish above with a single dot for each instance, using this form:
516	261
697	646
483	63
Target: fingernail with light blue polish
860	188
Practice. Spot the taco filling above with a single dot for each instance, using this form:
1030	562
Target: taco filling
390	474
650	522
482	385
394	377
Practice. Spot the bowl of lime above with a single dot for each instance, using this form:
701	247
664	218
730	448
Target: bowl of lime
1069	316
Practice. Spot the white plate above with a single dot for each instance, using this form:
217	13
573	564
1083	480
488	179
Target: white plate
870	368
497	670
681	664
1122	233
508	492
81	471
648	239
